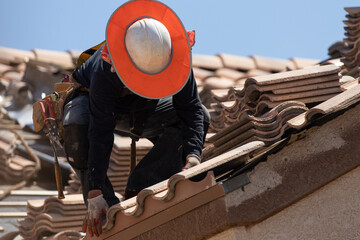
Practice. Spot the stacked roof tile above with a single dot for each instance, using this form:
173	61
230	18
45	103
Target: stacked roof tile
337	103
63	60
347	50
224	70
246	128
259	94
351	55
49	216
119	165
74	184
13	167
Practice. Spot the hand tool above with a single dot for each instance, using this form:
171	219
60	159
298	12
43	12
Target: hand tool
53	135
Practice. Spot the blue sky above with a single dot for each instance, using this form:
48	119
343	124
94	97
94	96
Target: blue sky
276	28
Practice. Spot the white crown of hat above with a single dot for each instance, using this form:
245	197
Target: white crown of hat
148	44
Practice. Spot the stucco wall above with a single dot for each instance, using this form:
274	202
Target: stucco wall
332	213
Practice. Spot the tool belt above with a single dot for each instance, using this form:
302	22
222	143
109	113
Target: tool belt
51	107
58	98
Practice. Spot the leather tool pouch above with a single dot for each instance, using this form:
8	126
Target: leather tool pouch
61	92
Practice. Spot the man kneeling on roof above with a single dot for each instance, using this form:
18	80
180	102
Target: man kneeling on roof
141	83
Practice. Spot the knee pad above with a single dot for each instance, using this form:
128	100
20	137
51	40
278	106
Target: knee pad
76	145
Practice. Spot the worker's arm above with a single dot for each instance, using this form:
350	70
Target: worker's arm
96	75
188	107
101	128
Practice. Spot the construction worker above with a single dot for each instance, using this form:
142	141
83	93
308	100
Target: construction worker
141	83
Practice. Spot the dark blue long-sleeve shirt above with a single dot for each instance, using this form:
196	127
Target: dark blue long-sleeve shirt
107	99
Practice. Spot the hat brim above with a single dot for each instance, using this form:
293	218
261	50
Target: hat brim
153	86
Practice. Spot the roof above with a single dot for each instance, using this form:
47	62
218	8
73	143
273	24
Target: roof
278	127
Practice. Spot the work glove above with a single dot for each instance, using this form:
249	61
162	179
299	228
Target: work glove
96	215
191	161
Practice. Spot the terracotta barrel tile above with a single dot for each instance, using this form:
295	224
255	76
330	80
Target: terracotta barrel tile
263	104
352	19
5	68
12	76
184	189
200	73
353	11
256	72
229	73
221	95
301	63
206	61
297	95
9	56
270	64
56	58
237	62
351	51
350	84
218	82
309	72
333	104
321	85
300	82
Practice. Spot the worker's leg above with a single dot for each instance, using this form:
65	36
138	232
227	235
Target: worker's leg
163	127
76	120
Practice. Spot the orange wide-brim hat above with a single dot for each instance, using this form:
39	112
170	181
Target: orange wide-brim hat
153	86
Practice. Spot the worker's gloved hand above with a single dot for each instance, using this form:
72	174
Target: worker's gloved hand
191	161
96	215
